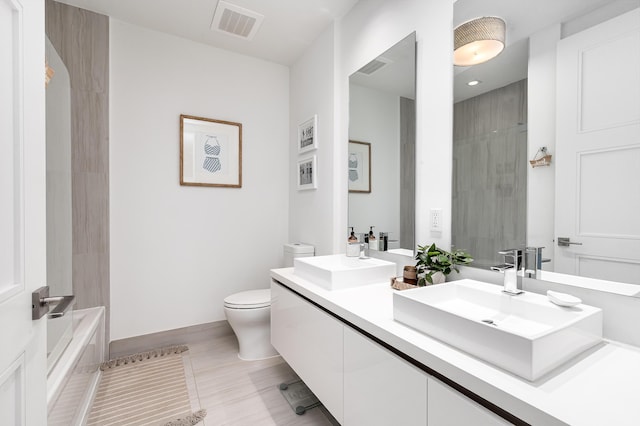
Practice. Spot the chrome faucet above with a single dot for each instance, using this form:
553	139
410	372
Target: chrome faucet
532	268
364	250
512	277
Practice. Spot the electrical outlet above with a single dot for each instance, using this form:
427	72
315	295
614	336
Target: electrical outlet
436	219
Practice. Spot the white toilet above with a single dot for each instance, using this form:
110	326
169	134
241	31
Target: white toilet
249	313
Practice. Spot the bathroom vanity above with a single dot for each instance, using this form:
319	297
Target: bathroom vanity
367	368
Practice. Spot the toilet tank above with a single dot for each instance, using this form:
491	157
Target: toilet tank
293	250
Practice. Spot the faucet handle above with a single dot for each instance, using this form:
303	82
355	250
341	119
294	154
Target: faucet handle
501	268
515	254
537	250
510	252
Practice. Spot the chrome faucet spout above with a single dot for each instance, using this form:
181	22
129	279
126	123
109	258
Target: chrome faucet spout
513	264
533	262
364	251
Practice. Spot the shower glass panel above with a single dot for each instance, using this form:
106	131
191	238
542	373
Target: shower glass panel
59	237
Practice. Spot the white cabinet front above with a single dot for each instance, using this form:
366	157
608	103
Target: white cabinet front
359	381
379	387
448	407
310	341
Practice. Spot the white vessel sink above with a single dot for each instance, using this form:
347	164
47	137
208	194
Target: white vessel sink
338	271
525	334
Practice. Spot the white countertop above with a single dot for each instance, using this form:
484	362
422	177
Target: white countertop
599	387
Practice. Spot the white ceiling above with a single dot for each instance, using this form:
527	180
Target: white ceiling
291	26
288	28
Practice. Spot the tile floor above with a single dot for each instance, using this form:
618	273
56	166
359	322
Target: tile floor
243	393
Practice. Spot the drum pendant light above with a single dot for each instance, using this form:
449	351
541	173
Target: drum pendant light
478	41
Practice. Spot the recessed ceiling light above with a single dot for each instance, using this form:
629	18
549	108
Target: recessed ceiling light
474	83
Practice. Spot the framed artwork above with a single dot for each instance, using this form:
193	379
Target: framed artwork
210	152
307	176
359	167
308	135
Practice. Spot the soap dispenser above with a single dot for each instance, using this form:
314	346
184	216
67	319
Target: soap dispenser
373	243
383	241
353	246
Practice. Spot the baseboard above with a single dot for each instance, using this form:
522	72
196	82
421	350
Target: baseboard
178	336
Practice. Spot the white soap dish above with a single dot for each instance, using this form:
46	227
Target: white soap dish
563	299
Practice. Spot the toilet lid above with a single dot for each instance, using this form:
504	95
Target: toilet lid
249	299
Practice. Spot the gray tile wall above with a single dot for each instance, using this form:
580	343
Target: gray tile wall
489	173
407	172
81	38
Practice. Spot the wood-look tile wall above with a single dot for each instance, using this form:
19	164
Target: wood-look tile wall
407	173
82	41
489	173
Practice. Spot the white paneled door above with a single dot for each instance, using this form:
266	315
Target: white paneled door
598	151
22	212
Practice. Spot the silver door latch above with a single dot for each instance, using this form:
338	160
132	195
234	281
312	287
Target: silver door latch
40	302
566	242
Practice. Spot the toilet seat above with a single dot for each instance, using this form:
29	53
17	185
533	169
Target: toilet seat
251	299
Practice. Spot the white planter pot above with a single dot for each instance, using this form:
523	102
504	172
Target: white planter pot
438	278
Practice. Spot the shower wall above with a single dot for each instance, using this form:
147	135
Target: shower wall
407	173
81	38
490	173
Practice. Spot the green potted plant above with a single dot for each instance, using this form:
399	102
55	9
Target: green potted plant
434	264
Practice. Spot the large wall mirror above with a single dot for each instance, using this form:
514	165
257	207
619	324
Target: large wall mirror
382	147
567	85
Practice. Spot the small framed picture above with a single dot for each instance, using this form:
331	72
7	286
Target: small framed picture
307	176
359	167
210	152
308	135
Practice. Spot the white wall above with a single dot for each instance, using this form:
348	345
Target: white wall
320	84
369	29
313	212
375	118
541	92
177	251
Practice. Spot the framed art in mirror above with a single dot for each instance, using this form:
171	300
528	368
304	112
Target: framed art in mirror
210	152
307	176
359	167
308	135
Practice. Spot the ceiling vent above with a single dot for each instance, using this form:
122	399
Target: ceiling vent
374	65
236	20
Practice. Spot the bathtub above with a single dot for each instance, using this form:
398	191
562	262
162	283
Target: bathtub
73	379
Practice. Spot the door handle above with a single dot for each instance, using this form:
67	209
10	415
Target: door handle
40	302
566	242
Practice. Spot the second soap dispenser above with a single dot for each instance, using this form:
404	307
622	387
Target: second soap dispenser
373	243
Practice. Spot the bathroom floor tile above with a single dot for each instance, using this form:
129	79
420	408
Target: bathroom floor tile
238	393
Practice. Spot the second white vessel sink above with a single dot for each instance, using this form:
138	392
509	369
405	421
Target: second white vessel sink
335	272
525	334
